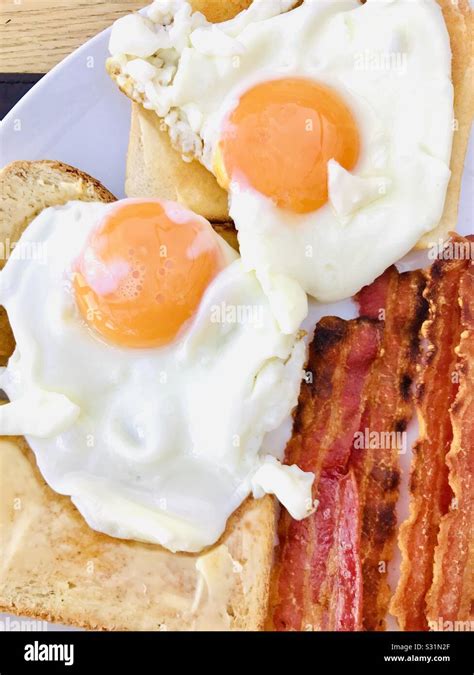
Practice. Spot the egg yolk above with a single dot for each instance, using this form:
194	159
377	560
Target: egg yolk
279	139
142	275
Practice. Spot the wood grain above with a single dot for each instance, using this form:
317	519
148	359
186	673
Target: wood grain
36	34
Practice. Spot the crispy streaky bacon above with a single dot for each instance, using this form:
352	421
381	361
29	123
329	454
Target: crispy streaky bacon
430	492
452	592
317	582
398	299
345	605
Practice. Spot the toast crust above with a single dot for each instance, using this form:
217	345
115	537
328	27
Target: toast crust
56	184
154	167
56	568
459	19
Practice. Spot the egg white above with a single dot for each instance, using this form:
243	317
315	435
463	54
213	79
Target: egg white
389	60
160	445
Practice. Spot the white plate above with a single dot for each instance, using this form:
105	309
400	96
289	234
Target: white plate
76	114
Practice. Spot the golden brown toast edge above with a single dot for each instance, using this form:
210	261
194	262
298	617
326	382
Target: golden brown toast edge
459	18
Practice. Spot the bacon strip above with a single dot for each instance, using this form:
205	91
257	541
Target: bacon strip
345	607
398	299
451	596
310	560
430	493
372	299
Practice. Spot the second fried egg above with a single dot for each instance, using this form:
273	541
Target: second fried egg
329	123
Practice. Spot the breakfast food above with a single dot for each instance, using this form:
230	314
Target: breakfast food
63	570
318	580
152	372
160	306
56	567
398	299
255	118
144	167
431	486
155	169
26	189
459	20
349	430
452	591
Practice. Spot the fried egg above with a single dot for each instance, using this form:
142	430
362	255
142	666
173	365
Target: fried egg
330	124
149	371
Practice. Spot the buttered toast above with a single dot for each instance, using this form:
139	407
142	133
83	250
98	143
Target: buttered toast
54	566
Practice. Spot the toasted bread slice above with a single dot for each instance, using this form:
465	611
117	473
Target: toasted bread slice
26	188
459	19
54	567
144	168
156	169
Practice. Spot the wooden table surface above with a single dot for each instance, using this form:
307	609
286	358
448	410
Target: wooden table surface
37	34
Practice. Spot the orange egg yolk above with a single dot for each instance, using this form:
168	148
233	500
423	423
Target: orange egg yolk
279	139
142	275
